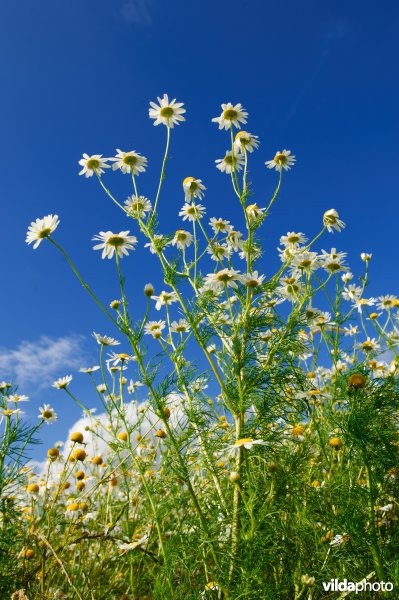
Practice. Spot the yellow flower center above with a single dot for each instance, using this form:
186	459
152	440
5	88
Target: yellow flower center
280	159
130	160
115	241
230	114
166	111
47	414
223	277
44	233
93	164
243	441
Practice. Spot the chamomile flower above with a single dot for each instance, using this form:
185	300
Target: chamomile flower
232	114
15	398
366	256
219	280
230	163
234	240
182	239
40	229
193	188
282	160
332	221
133	385
192	212
129	162
9	412
339	539
138	206
89	370
360	302
332	261
167	112
110	243
47	413
180	326
253	212
219	251
220	225
387	302
369	345
305	261
63	382
164	299
293	239
246	142
93	164
105	340
352	292
154	328
247	443
252	280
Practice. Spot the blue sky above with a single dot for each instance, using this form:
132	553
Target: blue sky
319	78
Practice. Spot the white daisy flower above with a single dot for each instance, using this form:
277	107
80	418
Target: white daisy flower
234	240
254	212
339	539
4	385
232	114
306	261
133	385
332	261
120	242
93	164
231	162
116	358
40	229
366	256
351	330
220	225
63	382
164	299
154	328
252	280
245	141
125	547
167	113
129	162
219	280
138	206
247	443
219	251
369	345
15	398
193	188
387	302
360	302
352	292
282	160
182	239
47	413
180	326
89	370
9	412
293	239
192	212
332	221
346	277
105	340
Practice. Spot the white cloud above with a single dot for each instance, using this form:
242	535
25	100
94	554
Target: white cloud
40	361
137	12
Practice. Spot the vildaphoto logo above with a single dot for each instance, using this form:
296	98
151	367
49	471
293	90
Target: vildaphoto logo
335	585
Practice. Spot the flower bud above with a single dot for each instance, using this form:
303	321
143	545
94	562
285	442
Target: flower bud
148	290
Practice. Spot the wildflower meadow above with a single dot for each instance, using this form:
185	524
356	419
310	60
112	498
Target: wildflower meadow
247	444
